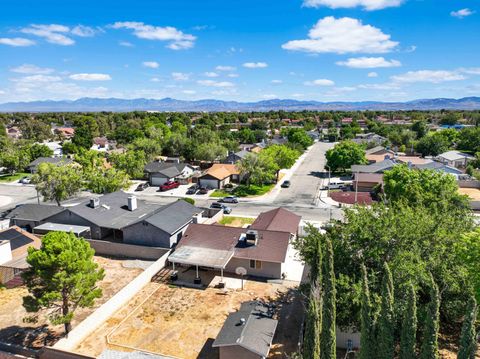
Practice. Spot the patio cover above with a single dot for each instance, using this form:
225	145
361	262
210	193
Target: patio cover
202	257
49	227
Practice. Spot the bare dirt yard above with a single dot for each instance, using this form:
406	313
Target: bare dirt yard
15	330
472	193
183	322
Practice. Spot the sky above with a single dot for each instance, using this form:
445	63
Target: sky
242	50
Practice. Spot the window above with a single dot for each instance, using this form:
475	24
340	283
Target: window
255	264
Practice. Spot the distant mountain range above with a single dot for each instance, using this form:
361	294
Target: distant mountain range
169	104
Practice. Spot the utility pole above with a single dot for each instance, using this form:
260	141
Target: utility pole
356	187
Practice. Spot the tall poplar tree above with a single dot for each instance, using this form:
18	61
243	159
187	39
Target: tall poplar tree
408	336
367	330
313	325
429	348
328	336
385	340
468	339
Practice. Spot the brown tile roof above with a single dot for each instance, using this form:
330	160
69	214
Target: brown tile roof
369	177
221	171
271	246
279	220
414	160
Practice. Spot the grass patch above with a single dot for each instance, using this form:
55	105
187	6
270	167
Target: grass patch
13	177
235	221
243	191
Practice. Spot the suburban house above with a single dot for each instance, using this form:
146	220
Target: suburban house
247	333
377	167
261	250
30	215
14	132
58	161
121	217
441	167
378	154
14	244
234	157
100	144
366	182
364	138
455	159
219	175
65	132
161	172
56	148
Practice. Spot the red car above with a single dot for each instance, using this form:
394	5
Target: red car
169	185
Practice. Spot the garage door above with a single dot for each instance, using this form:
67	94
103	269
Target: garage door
210	183
158	181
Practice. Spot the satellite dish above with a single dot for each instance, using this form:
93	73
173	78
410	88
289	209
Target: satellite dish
240	271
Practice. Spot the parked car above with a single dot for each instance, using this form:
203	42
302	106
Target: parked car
193	189
203	190
25	180
229	199
226	210
335	185
142	186
286	184
169	185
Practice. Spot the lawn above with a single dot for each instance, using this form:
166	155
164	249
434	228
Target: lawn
232	221
244	191
13	177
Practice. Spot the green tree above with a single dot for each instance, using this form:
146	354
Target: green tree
432	144
408	336
467	250
367	327
106	180
283	156
328	338
257	169
468	338
57	183
130	162
386	320
38	150
344	155
313	325
62	277
83	137
299	136
429	349
151	147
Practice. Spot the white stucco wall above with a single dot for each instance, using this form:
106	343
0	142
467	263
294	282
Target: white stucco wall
5	252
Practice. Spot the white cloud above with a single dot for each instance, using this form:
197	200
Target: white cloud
83	31
151	64
462	13
233	75
470	71
31	69
366	4
277	82
255	65
212	83
343	35
189	92
126	44
372	74
428	76
52	33
369	62
90	77
269	96
298	95
225	68
180	76
211	74
319	82
155	79
16	41
178	40
384	86
35	79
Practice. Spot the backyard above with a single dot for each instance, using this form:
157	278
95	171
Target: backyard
184	322
13	328
232	221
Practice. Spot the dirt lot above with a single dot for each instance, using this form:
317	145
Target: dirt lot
184	322
14	330
473	193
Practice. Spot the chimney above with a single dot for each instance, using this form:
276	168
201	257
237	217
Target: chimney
132	203
94	202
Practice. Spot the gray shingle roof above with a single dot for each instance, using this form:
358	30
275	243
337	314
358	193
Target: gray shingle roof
255	335
455	156
34	212
53	160
113	211
377	167
438	166
173	216
166	169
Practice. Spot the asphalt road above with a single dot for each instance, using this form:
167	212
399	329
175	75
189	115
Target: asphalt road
299	198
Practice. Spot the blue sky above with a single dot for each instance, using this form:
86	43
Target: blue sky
326	50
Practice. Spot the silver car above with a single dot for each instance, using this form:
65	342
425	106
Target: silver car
229	199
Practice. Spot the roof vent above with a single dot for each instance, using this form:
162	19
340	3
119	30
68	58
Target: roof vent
94	202
132	203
